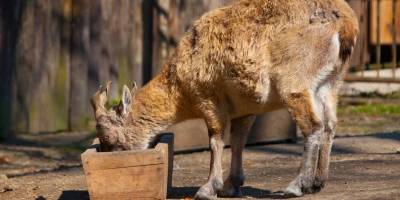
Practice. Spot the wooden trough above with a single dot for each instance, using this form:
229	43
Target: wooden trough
136	174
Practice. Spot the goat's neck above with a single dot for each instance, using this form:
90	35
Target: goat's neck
154	108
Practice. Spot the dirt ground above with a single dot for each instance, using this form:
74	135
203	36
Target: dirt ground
365	164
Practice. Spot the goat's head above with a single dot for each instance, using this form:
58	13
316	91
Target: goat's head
113	124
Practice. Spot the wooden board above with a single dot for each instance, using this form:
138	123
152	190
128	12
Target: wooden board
270	127
121	183
386	16
362	39
274	126
119	159
138	174
167	143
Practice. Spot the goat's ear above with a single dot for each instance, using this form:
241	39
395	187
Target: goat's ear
125	103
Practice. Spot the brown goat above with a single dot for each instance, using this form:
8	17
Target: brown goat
251	57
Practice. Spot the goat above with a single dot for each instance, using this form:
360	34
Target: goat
251	57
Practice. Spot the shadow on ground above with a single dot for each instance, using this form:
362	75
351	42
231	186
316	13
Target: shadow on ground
52	139
392	140
247	191
177	193
47	152
74	195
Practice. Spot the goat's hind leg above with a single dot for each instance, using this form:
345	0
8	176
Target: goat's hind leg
239	131
330	121
302	108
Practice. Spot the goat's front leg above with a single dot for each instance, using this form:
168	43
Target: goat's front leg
302	108
239	131
216	128
214	183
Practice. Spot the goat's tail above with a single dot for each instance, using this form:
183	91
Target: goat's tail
347	37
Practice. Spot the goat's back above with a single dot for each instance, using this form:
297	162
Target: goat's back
255	51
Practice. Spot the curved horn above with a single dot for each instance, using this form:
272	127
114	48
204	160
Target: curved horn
104	94
99	99
94	101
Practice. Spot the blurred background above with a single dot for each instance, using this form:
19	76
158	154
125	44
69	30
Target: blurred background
54	54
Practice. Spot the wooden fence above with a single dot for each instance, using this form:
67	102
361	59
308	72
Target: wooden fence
55	53
378	40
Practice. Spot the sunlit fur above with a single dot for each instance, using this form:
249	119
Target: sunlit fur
251	57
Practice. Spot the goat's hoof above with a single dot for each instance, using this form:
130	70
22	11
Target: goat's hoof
206	192
293	191
309	190
319	183
230	192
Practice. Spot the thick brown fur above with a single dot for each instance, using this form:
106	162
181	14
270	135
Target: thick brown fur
251	57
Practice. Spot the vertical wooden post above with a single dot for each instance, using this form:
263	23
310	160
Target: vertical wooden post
155	54
10	16
25	60
78	104
362	21
378	38
48	74
114	46
96	63
137	40
65	53
394	63
147	22
174	28
161	34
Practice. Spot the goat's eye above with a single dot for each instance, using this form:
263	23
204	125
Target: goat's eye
106	138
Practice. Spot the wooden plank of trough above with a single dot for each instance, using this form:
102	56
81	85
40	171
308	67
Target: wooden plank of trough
143	181
163	148
167	141
95	161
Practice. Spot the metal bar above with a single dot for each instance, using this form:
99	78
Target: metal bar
372	80
394	39
378	38
361	65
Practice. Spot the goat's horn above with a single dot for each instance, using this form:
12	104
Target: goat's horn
108	86
134	89
99	99
104	94
134	86
94	101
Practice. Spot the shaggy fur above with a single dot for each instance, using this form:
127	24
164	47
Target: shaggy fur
251	57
